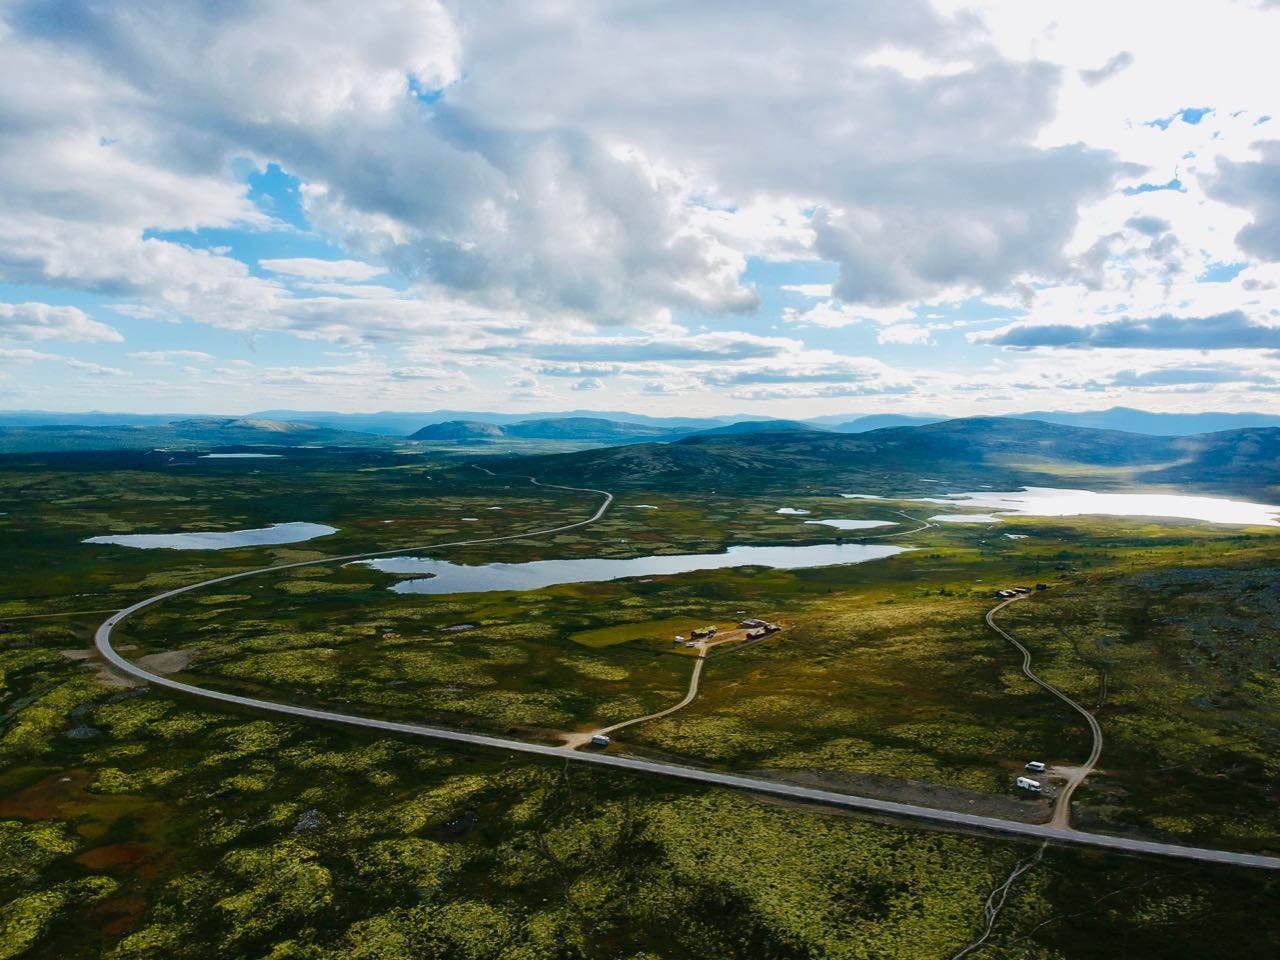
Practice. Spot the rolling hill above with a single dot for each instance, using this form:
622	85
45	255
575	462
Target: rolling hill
582	429
760	426
995	452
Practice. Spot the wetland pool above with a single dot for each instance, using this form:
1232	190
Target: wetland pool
220	539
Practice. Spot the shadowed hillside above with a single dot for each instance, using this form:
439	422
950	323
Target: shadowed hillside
985	451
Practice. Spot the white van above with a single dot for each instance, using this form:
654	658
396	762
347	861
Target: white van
1026	783
1035	766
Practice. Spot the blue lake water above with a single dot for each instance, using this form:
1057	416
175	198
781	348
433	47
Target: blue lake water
241	456
1057	502
446	577
222	539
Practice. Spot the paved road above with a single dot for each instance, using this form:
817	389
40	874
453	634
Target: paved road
1062	804
713	778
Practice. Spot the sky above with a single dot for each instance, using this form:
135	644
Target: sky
675	209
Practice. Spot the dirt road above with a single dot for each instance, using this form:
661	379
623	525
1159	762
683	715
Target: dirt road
1075	775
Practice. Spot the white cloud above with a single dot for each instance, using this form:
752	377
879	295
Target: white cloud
40	321
814	291
170	356
906	333
312	269
96	369
523	178
831	313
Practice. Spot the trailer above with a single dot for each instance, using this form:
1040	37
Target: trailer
1026	783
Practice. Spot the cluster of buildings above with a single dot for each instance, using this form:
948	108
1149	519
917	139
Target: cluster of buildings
1019	591
755	630
758	628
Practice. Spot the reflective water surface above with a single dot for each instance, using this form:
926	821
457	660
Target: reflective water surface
222	539
446	577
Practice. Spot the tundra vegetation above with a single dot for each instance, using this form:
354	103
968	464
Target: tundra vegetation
137	824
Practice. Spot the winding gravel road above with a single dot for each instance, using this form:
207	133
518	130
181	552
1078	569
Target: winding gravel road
943	818
1062	804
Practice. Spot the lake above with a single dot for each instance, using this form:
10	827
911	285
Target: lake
853	524
241	456
1055	502
221	539
446	577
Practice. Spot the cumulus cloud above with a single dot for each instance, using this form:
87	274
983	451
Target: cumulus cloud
1230	330
40	321
561	176
523	175
1254	185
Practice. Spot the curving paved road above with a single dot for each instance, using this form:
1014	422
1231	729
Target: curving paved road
1061	805
944	818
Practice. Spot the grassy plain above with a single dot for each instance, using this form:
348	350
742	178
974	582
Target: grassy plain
136	825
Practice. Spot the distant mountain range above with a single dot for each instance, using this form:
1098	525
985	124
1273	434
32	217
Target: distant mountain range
556	428
193	433
402	425
784	455
1116	418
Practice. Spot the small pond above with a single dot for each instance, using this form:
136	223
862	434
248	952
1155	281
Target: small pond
221	539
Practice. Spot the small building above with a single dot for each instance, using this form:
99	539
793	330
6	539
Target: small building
771	628
1042	586
751	623
1026	783
599	740
1035	766
1004	594
1021	591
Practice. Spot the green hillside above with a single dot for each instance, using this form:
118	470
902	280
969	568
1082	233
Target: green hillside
985	451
